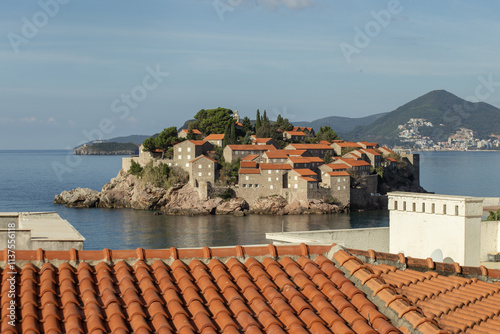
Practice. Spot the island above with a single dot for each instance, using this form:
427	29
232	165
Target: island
222	164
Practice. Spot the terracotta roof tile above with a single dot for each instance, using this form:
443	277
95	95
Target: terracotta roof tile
270	289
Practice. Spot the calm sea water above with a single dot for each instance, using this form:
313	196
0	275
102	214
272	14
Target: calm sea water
29	182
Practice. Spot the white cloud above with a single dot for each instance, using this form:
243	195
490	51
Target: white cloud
31	119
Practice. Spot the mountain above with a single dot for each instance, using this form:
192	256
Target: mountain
447	113
340	124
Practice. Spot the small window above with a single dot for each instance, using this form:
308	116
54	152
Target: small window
444	209
269	179
404	206
187	165
244	185
269	171
395	205
209	165
423	207
256	186
338	180
271	186
180	149
295	185
189	157
433	208
344	187
180	157
414	207
277	179
296	177
246	177
250	185
199	166
209	174
200	173
189	149
456	210
338	188
311	186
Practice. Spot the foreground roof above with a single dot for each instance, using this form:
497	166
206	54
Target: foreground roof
261	289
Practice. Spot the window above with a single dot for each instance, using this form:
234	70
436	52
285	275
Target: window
244	185
187	165
414	207
189	149
338	188
209	174
404	206
456	210
199	174
444	209
180	149
269	179
344	187
209	165
277	179
246	177
199	166
277	171
296	185
269	171
338	180
256	186
271	186
295	177
423	207
189	157
311	185
433	208
180	157
250	185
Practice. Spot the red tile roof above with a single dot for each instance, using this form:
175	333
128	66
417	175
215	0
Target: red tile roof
348	144
338	173
305	172
203	156
252	147
248	164
368	144
370	151
269	289
391	159
325	142
299	160
352	162
295	133
249	157
214	136
278	154
294	152
262	140
249	171
195	131
198	142
302	128
338	166
267	166
308	179
311	147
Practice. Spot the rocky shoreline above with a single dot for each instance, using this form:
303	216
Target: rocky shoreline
128	191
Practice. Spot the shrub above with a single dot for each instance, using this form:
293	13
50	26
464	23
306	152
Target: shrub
135	168
227	194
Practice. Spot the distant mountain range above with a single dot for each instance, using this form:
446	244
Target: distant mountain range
340	124
447	113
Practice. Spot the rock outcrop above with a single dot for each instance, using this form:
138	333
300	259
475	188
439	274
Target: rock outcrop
78	198
129	191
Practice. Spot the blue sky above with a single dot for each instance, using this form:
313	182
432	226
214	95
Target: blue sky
87	68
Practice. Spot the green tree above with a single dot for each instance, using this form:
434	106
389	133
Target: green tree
149	144
326	133
190	135
135	168
264	117
494	216
227	136
233	133
327	158
247	125
257	121
167	138
213	120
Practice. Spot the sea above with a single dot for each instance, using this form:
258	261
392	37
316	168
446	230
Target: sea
29	180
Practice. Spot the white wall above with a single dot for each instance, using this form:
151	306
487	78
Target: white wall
490	238
444	228
359	238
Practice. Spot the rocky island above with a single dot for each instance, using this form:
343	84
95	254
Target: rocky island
293	170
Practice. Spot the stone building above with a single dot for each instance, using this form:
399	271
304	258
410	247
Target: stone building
372	156
202	169
265	141
344	147
309	131
294	135
340	184
302	180
234	152
215	139
365	144
360	166
183	133
188	150
316	150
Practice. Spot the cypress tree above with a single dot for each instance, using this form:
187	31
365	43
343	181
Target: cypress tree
233	133
257	121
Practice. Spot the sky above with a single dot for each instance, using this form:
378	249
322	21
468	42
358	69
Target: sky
78	70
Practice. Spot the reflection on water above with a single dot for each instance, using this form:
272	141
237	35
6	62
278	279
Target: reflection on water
129	229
